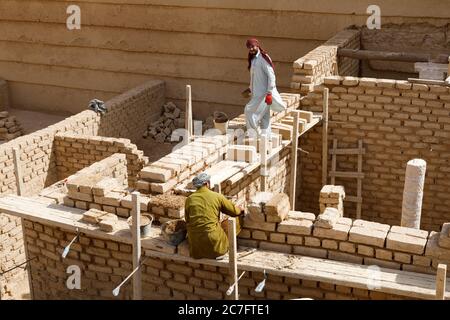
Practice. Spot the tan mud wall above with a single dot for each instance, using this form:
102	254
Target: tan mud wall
38	157
414	38
397	121
124	43
105	263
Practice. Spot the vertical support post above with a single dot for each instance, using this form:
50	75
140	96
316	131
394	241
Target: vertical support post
136	234
333	162
325	137
188	118
18	172
232	253
441	277
294	156
263	148
359	181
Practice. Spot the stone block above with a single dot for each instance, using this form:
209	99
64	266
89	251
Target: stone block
405	243
298	215
241	153
367	236
328	219
156	174
278	207
266	226
338	232
299	227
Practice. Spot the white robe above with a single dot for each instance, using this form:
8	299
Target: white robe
262	81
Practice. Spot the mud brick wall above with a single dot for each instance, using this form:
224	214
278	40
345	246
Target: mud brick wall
4	96
105	263
37	153
131	112
250	183
13	254
397	121
75	152
312	68
355	241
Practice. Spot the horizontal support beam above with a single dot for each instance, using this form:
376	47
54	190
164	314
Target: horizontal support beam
348	151
391	56
343	174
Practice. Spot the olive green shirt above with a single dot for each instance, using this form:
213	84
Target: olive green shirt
206	237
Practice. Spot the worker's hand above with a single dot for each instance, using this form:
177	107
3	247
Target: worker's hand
247	93
269	99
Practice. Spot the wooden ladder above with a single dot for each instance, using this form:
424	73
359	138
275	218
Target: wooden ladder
359	175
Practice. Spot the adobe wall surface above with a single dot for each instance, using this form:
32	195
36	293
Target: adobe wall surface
105	263
124	43
412	38
38	153
397	121
4	95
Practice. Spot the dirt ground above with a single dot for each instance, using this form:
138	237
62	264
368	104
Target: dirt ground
153	150
32	120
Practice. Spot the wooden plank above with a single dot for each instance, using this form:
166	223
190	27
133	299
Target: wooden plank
441	281
404	283
233	256
390	56
188	115
136	236
343	174
325	137
426	81
18	172
348	151
263	160
353	199
294	156
359	182
333	162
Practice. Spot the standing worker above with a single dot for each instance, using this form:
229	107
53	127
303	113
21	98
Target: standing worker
263	91
206	237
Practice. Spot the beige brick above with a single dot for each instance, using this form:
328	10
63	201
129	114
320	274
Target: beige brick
405	243
402	257
278	237
309	251
383	254
259	235
266	226
346	257
299	227
338	232
347	247
382	263
313	242
421	261
329	244
367	236
365	250
277	247
295	240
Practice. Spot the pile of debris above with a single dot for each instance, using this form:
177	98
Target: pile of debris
9	127
171	118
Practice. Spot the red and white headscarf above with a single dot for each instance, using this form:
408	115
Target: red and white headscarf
254	42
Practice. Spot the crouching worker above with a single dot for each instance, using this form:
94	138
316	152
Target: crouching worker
206	237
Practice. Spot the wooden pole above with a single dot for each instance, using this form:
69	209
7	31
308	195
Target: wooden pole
391	56
294	156
441	276
232	253
18	172
325	137
188	116
136	234
263	160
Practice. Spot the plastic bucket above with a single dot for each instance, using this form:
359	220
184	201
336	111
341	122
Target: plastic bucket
221	126
174	231
146	224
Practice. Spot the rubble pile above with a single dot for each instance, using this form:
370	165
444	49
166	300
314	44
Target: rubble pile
161	130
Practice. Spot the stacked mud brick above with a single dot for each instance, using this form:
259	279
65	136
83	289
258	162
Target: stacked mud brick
130	113
75	152
332	197
312	68
105	263
12	254
397	121
161	130
10	128
182	165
